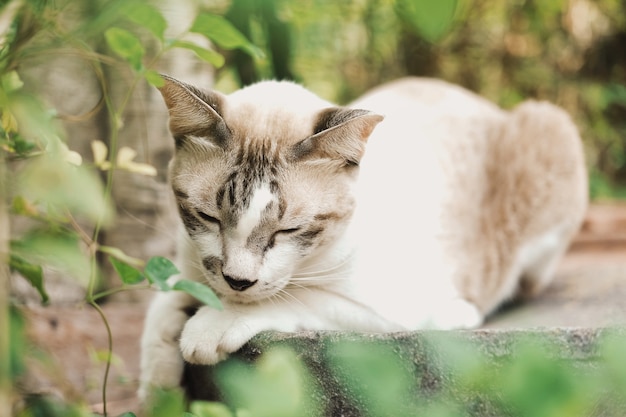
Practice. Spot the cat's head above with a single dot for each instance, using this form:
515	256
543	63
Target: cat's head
263	179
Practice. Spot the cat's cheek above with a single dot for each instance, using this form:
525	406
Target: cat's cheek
208	245
278	264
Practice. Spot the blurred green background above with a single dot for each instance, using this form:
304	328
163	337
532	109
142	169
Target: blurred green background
570	52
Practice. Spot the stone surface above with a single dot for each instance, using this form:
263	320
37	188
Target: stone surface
423	354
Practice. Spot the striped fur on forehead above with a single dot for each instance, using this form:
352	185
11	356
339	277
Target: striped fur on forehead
254	163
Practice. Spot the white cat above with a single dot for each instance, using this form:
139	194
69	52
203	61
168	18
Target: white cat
455	207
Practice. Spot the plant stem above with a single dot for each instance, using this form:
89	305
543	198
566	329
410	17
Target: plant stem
5	330
107	367
112	291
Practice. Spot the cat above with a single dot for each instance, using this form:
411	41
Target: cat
455	207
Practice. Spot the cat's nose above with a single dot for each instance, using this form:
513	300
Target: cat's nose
238	284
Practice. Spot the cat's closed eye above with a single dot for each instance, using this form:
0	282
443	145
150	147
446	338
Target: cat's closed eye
289	231
272	241
209	218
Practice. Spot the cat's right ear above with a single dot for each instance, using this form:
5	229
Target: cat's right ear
194	112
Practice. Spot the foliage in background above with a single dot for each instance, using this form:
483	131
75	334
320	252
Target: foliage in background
58	200
569	52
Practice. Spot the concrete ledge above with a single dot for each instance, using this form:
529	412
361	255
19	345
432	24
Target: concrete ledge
472	372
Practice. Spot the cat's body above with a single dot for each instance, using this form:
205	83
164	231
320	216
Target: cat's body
455	207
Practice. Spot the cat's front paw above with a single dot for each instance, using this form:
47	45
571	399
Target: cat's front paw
211	335
456	313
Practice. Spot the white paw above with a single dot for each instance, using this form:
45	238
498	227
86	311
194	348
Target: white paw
455	313
211	335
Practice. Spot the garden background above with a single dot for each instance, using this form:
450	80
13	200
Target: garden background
86	218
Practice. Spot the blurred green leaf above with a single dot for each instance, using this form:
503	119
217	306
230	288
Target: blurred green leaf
158	269
165	403
51	181
11	81
278	386
223	33
35	122
537	381
128	414
147	16
207	55
126	45
23	207
22	147
56	248
52	406
33	274
431	19
154	78
127	273
119	254
210	409
375	374
200	292
614	94
18	345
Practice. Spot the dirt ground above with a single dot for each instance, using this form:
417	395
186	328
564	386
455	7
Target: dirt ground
589	291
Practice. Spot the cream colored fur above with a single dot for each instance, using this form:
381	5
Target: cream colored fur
458	207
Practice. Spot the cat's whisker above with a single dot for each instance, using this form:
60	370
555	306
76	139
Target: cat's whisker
318	272
286	296
314	268
324	277
161	231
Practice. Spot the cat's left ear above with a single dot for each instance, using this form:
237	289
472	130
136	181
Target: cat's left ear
339	133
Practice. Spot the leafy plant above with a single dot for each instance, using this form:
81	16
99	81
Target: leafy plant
62	199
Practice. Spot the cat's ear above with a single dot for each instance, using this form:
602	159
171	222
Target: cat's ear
339	133
194	112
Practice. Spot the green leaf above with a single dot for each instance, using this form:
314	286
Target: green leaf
35	122
200	292
376	373
128	414
277	386
127	273
126	45
24	207
147	16
59	186
210	409
23	147
154	78
223	33
32	273
55	248
158	270
120	255
165	403
207	55
431	19
11	81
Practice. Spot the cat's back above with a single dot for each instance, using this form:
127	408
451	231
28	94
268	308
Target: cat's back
424	95
447	169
